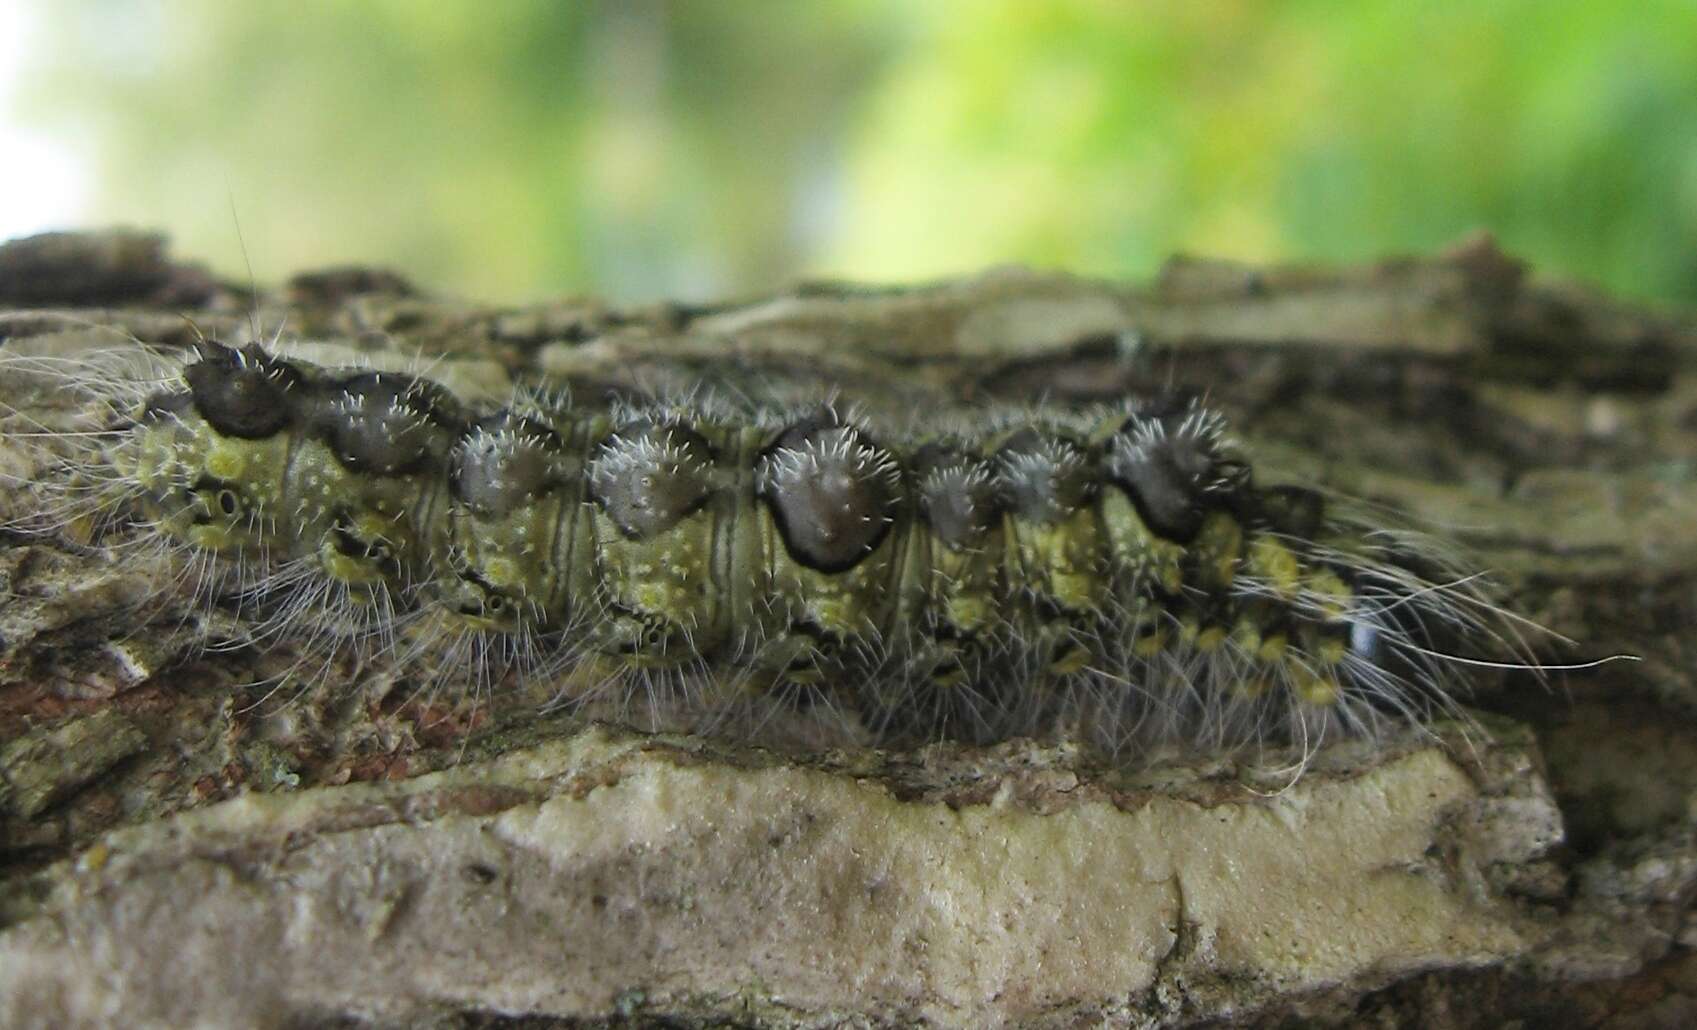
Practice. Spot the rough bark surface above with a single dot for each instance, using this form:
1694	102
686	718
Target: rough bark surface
174	847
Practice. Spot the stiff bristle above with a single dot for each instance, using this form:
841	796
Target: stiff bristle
1116	576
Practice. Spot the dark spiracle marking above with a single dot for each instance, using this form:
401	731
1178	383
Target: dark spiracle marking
219	498
649	476
831	490
504	461
387	424
488	601
242	393
378	550
1172	465
1043	477
957	494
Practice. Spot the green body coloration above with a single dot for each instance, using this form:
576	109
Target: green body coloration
509	531
290	496
524	564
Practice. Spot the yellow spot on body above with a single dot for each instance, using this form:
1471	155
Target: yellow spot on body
348	570
651	596
211	538
1273	561
1316	690
1220	542
501	572
1172	579
1331	593
969	612
1150	644
1272	648
1073	660
227	461
951	676
1075	592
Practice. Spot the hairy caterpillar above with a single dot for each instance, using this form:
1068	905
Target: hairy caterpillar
1117	572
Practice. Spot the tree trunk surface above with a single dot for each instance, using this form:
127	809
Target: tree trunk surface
179	846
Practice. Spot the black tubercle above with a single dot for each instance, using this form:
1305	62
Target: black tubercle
1173	467
797	433
832	492
167	404
389	424
649	476
503	461
1044	477
1163	496
242	393
957	494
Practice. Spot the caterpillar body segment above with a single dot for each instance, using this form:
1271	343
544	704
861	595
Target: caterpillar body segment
1119	571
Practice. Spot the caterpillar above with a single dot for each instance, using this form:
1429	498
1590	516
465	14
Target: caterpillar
1117	573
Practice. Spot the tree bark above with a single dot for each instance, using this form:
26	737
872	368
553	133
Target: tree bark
175	847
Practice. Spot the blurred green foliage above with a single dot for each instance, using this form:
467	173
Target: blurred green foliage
645	149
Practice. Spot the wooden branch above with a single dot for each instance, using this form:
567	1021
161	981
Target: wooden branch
175	848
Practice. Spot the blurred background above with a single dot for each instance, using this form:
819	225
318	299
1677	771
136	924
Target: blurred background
707	148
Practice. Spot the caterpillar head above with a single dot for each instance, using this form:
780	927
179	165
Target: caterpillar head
242	393
211	455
